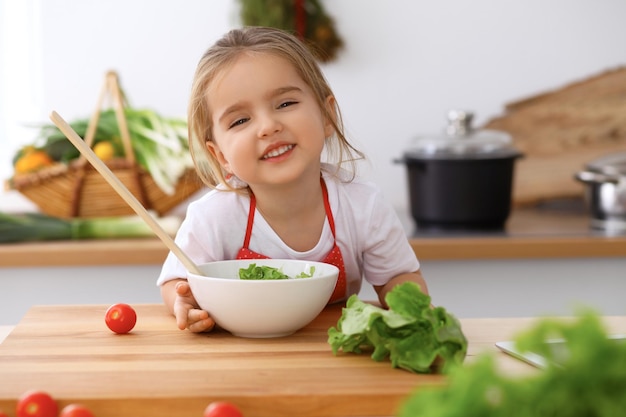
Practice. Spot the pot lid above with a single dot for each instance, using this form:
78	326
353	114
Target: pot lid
612	164
460	140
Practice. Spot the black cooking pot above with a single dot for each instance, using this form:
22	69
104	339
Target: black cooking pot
461	180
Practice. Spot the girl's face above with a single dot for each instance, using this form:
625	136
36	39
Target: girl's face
267	126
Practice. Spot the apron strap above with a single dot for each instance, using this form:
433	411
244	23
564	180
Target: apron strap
246	240
329	214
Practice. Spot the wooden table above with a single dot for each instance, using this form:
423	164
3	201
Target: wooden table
158	370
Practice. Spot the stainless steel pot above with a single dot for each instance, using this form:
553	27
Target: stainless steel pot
605	194
460	179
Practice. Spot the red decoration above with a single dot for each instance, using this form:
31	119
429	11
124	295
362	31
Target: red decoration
300	19
305	18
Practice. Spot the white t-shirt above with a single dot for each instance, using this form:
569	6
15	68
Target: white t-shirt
369	233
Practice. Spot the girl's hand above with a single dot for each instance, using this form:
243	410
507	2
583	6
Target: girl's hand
188	314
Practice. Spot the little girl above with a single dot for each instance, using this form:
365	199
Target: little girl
266	134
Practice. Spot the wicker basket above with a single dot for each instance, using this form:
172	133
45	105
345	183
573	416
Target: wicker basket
78	190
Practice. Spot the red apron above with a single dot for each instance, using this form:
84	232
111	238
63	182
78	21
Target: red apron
334	257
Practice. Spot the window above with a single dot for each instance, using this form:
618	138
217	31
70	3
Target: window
21	77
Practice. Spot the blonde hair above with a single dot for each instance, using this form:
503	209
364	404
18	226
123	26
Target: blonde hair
259	40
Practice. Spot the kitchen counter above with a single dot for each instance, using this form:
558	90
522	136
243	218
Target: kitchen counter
529	234
124	375
538	233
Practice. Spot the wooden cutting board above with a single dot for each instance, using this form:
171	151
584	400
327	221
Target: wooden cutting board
158	370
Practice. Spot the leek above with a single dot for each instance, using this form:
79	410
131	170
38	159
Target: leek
160	143
25	227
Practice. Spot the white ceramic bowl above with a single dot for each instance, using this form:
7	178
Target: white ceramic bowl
263	308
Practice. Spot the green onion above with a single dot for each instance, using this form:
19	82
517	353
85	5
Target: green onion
160	143
25	227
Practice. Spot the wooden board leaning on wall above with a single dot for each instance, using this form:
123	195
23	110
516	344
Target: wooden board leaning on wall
560	131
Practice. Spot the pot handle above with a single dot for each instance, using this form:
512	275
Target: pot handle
594	177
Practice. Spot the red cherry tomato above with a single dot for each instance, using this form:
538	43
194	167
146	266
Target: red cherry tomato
76	410
36	404
222	409
3	414
120	318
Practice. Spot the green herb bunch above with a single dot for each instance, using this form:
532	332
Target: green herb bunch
159	143
23	227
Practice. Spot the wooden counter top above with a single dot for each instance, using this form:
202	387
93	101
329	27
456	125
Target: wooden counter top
529	234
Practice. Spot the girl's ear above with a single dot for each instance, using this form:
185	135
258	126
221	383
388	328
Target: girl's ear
217	154
331	110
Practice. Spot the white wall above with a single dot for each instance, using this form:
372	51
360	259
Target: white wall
405	64
498	288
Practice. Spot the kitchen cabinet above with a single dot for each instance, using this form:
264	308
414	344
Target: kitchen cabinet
546	261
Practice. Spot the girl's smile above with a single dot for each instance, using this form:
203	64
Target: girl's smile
275	152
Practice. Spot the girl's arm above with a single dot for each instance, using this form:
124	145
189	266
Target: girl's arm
415	277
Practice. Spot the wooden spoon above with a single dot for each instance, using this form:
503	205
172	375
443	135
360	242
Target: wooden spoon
121	189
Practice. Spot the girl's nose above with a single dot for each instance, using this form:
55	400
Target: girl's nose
268	125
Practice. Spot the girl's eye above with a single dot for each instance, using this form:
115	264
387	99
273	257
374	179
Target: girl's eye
287	104
237	122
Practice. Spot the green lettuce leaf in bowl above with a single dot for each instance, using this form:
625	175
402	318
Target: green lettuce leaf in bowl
261	272
412	334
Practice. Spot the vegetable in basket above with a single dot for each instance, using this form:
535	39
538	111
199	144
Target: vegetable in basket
31	159
160	144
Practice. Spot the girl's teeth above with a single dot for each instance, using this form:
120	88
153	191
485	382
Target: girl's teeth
278	151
